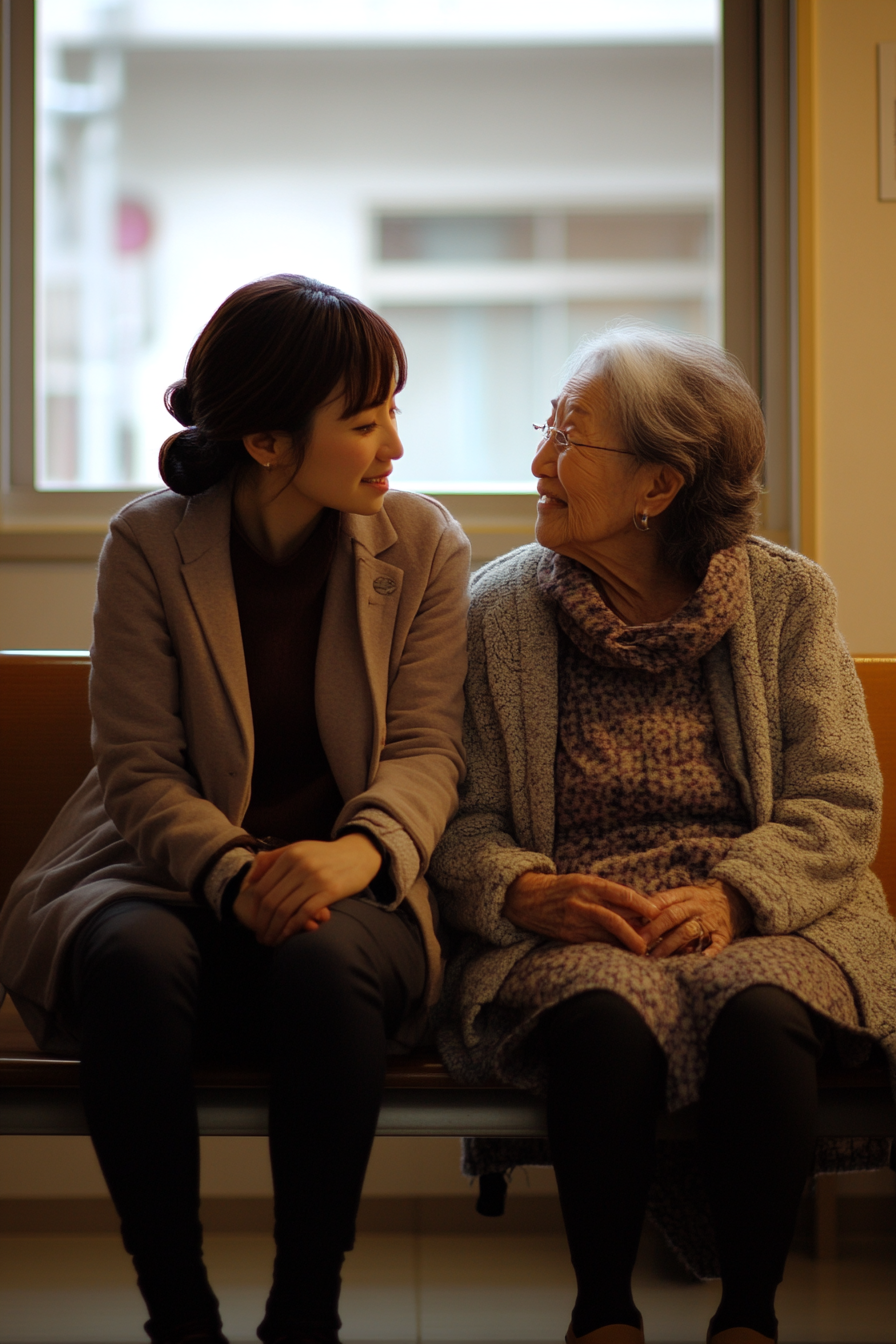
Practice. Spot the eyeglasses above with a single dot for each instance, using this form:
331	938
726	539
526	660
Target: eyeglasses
563	441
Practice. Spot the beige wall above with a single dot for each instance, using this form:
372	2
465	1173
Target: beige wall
60	1168
850	282
46	605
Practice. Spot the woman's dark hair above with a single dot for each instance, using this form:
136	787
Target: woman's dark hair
273	353
684	401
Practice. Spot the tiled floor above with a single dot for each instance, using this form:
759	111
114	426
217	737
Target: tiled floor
402	1288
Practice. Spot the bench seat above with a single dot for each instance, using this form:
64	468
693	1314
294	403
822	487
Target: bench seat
39	1095
46	753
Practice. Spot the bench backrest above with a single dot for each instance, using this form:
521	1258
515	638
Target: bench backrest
45	750
878	677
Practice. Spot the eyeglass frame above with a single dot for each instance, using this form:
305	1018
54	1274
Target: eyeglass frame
564	441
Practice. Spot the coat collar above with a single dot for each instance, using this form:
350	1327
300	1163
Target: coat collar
205	524
374	531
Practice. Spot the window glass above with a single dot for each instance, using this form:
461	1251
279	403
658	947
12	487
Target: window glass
498	179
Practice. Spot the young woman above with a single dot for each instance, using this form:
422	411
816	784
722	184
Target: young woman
276	690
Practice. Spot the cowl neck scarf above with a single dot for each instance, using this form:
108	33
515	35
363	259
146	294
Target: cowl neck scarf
682	638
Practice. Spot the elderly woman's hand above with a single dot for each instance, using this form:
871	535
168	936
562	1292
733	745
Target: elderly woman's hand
703	918
579	908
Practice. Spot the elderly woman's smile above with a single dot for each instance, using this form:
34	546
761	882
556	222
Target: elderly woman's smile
602	507
587	491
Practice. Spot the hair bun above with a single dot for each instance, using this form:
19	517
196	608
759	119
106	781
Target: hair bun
190	464
179	403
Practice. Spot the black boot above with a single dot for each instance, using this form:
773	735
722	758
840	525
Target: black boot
303	1304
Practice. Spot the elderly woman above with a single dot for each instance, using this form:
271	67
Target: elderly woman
661	856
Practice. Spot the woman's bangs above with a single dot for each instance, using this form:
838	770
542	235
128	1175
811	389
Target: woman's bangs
375	364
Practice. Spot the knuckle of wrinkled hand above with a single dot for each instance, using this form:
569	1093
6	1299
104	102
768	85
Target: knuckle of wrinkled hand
570	930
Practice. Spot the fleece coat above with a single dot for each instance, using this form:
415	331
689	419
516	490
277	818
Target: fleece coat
793	732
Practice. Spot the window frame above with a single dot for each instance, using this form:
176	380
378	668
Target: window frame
760	326
760	225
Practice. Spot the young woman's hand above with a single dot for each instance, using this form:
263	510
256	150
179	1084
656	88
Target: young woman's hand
290	890
704	918
580	908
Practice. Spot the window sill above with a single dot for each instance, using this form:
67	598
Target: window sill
494	523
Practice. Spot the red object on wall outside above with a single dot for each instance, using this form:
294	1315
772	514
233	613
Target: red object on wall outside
134	227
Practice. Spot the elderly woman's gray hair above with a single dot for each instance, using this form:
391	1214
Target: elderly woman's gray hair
682	400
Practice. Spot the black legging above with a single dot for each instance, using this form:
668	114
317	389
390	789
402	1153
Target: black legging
606	1082
152	985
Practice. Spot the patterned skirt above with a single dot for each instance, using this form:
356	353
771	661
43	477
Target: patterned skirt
679	998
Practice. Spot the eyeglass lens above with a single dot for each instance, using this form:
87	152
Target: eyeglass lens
547	430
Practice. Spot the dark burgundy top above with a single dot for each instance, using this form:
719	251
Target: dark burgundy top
294	794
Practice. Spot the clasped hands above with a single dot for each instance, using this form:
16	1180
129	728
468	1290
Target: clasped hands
290	890
581	908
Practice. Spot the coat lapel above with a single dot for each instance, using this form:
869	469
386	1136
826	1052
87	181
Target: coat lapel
353	659
204	540
536	654
719	679
751	713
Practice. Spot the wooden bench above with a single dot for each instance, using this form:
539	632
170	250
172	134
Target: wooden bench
44	755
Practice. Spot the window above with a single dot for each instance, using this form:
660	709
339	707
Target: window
498	179
489	307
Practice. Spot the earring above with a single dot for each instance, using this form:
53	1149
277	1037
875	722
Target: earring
643	525
267	465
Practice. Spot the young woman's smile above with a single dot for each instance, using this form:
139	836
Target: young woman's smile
345	465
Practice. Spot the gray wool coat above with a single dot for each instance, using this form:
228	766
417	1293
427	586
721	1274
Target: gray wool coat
172	722
794	734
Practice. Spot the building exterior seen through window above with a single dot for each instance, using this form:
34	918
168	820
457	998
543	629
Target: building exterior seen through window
498	179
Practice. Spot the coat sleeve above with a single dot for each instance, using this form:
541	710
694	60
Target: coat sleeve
414	792
480	855
138	736
808	858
